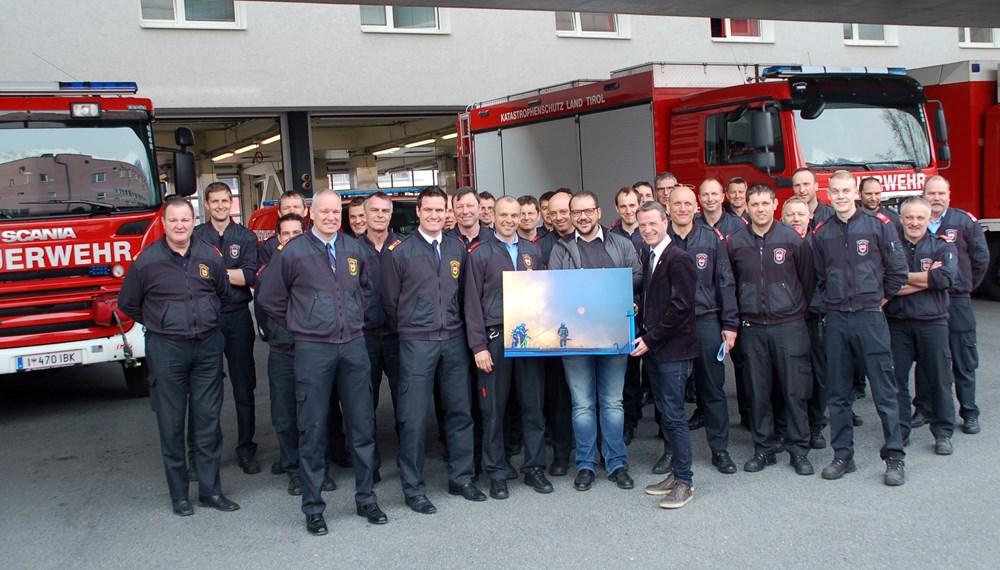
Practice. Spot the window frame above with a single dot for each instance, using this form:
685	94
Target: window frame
765	27
890	35
623	28
180	23
441	16
966	32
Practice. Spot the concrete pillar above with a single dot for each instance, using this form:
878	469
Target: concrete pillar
296	149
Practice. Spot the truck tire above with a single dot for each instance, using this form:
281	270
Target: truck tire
990	287
137	379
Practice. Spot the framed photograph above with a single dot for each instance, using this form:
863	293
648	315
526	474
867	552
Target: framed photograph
568	312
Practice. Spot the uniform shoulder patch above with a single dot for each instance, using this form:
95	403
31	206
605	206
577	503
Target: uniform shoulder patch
718	233
883	218
818	226
971	217
393	245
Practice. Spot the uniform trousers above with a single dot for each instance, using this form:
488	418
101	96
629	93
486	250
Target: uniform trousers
493	393
927	345
964	362
185	373
865	334
779	351
321	367
418	362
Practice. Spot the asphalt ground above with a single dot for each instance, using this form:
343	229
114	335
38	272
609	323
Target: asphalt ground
83	487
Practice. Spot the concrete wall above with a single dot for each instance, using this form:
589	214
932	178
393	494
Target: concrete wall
314	55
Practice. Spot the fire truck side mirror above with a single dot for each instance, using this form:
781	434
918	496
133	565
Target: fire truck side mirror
762	136
184	173
761	129
184	137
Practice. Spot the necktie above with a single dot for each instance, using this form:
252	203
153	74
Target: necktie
437	254
333	257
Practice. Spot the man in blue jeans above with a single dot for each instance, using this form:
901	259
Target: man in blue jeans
596	380
670	345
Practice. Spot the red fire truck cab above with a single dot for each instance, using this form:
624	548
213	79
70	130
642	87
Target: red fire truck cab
79	198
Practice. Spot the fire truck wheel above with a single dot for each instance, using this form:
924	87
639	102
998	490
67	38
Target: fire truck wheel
991	283
137	379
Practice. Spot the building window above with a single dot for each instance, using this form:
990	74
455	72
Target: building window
592	25
193	14
98	177
740	30
404	19
870	35
979	37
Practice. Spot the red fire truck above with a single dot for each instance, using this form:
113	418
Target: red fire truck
79	198
968	90
704	120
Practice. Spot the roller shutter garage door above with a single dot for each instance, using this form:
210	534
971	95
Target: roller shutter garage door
616	150
541	157
489	162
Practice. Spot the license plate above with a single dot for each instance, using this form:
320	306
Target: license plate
50	360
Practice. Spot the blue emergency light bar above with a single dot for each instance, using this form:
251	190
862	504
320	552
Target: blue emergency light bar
68	87
784	71
99	86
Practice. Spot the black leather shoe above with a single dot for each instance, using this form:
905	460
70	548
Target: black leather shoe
469	492
295	486
894	475
723	462
559	467
218	502
621	477
971	426
816	439
421	504
918	419
858	392
183	508
277	469
249	465
628	435
328	483
942	446
837	468
192	472
584	479
511	472
802	465
696	421
663	464
372	513
535	479
316	525
759	461
498	489
856	420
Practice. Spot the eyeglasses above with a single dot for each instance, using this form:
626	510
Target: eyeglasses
589	212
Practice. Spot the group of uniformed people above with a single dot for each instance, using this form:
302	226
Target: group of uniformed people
809	305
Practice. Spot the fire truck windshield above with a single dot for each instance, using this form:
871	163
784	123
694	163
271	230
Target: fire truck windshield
865	137
51	170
